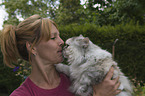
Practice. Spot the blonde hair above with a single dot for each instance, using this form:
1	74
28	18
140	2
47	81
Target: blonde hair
14	38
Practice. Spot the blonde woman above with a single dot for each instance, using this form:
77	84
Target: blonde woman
37	40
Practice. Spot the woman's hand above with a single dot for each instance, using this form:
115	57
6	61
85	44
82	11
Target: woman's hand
107	87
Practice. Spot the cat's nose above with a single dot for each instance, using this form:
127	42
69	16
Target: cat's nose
65	46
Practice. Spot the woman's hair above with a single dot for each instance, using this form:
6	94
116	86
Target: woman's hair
14	38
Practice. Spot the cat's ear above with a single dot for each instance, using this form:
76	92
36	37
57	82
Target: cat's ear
81	35
85	43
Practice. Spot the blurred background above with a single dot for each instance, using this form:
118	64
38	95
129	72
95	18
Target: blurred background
103	21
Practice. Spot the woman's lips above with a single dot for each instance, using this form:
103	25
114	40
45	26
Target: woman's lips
60	51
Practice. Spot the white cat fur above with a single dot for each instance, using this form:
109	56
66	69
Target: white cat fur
89	65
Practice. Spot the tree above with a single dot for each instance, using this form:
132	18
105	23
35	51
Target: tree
26	8
68	12
94	11
114	12
125	11
103	3
99	12
64	12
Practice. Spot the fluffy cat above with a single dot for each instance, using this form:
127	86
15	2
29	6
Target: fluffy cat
88	65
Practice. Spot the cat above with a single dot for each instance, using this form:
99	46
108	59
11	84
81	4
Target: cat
88	64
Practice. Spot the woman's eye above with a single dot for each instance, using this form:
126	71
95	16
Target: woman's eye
53	38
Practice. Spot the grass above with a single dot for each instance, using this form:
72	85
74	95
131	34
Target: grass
3	94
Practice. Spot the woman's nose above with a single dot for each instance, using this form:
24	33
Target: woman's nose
61	43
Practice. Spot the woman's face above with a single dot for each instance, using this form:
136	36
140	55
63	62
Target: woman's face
51	51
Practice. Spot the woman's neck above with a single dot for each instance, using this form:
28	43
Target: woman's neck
44	75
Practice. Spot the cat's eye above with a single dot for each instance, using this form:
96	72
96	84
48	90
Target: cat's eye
79	39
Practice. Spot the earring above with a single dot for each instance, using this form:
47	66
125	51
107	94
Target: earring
34	54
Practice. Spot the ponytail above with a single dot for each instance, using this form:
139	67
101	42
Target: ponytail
13	39
9	45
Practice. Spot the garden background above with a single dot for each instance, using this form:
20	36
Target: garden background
103	21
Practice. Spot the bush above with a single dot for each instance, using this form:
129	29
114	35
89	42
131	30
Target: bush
8	79
139	91
129	50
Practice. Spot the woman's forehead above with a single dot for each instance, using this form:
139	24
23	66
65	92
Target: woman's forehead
54	33
54	30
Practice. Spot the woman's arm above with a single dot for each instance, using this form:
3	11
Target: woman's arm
107	87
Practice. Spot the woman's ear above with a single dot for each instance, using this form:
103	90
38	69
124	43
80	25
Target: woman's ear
29	48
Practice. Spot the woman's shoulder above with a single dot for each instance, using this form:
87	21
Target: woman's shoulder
19	92
22	90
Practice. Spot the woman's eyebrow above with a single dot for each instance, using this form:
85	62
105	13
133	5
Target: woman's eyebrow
55	33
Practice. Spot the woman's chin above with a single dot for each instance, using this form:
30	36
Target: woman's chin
60	59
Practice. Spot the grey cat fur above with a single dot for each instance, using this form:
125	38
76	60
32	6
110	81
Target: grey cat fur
88	65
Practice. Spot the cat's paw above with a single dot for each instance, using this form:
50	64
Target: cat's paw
82	90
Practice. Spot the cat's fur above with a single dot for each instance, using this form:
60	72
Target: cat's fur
89	65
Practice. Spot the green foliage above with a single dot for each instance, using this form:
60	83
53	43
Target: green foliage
139	91
23	70
68	12
71	11
26	8
123	10
113	12
103	3
8	79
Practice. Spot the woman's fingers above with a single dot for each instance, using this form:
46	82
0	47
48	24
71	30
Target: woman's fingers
117	85
114	83
109	74
116	92
116	80
109	86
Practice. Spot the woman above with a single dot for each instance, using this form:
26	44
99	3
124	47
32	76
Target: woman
37	40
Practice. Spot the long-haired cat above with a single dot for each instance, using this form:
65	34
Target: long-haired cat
88	65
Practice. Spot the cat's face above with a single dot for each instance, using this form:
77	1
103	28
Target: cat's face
78	41
76	46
